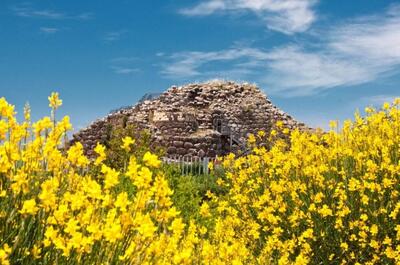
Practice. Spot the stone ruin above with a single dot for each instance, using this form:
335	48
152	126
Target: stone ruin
203	120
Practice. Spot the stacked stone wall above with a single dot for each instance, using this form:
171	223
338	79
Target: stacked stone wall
182	118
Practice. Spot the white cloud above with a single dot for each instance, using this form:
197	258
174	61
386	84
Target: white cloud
49	30
353	53
26	10
374	40
124	65
124	70
286	70
188	64
294	72
29	12
84	16
114	35
287	16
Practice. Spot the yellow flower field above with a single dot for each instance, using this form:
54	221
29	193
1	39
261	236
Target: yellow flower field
320	198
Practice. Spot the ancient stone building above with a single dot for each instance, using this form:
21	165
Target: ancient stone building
206	119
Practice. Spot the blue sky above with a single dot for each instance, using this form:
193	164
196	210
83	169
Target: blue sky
316	60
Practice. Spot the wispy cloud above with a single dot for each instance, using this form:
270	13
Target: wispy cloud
49	30
287	16
293	71
114	35
28	11
124	65
189	64
358	52
353	53
124	70
286	70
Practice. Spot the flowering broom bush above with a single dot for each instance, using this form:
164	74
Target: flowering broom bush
320	198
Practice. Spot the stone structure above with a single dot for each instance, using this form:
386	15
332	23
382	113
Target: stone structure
206	119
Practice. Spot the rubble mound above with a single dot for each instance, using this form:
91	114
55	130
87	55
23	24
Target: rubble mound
204	120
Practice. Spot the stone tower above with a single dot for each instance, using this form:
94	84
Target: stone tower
206	119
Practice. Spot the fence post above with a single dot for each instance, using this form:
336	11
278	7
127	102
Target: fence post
184	164
187	166
181	164
206	161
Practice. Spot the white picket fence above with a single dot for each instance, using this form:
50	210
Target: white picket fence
190	165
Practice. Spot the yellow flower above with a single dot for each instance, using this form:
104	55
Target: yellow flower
132	168
369	110
205	210
151	160
387	241
126	143
4	253
76	155
374	230
36	251
65	124
146	225
251	139
6	109
177	226
333	124
50	235
318	197
42	125
112	232
48	195
172	213
374	244
344	246
144	178
286	131
72	226
302	260
202	230
308	233
55	102
122	201
364	217
390	253
29	207
386	106
27	112
101	154
325	211
111	176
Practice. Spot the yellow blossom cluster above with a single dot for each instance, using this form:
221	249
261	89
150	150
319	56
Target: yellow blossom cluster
317	198
320	198
57	206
